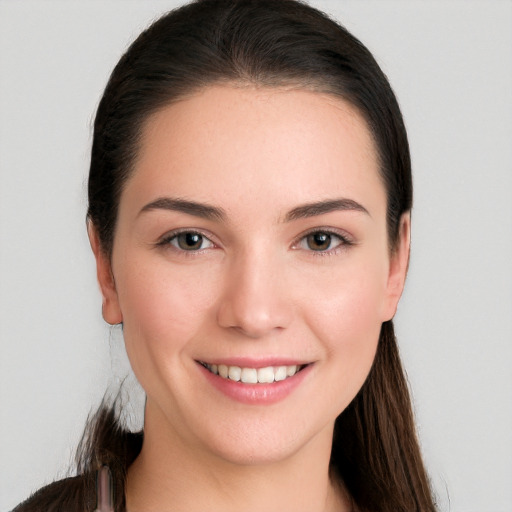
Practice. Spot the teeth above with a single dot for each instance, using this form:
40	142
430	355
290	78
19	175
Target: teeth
291	370
280	373
253	375
234	373
249	375
266	375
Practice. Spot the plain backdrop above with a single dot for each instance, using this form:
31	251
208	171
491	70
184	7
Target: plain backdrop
450	63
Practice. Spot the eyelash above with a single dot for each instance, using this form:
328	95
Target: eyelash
167	240
344	241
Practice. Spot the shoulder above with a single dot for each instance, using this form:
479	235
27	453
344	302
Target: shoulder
76	494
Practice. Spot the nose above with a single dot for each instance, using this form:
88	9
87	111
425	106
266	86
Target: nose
255	299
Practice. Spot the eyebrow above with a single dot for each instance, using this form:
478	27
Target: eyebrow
322	207
206	211
194	208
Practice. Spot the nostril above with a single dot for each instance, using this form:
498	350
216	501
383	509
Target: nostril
255	301
253	320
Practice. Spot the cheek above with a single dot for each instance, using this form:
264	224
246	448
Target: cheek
162	310
346	318
350	323
348	297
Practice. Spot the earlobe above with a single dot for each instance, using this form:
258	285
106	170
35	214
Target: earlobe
398	266
110	308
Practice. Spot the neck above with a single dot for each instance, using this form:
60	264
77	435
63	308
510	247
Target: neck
169	474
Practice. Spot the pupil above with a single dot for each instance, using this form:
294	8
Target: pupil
319	241
189	241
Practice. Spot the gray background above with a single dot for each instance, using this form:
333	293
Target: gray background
450	65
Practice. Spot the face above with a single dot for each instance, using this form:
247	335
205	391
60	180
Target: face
251	269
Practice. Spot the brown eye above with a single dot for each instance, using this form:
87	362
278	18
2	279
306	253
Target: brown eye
319	241
322	241
190	241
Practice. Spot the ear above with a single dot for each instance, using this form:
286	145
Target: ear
399	262
111	310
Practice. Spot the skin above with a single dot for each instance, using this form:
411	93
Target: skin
255	288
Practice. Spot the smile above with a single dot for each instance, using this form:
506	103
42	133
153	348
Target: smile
265	375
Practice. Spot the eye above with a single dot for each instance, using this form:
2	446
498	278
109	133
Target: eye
188	241
322	241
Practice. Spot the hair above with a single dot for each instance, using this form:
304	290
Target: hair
267	43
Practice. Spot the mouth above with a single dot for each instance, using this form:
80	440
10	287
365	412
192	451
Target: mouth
266	375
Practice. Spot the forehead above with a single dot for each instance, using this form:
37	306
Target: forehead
227	143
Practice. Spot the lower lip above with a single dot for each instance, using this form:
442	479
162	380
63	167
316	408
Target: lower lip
256	394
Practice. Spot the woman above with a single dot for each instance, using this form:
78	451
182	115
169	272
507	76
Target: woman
249	211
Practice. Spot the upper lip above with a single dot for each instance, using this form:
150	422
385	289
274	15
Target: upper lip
251	362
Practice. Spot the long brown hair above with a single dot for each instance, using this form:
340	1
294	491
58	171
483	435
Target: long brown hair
266	43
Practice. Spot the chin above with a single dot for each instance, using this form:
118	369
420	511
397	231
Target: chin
265	443
253	454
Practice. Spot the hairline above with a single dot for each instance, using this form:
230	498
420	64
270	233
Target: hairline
284	84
